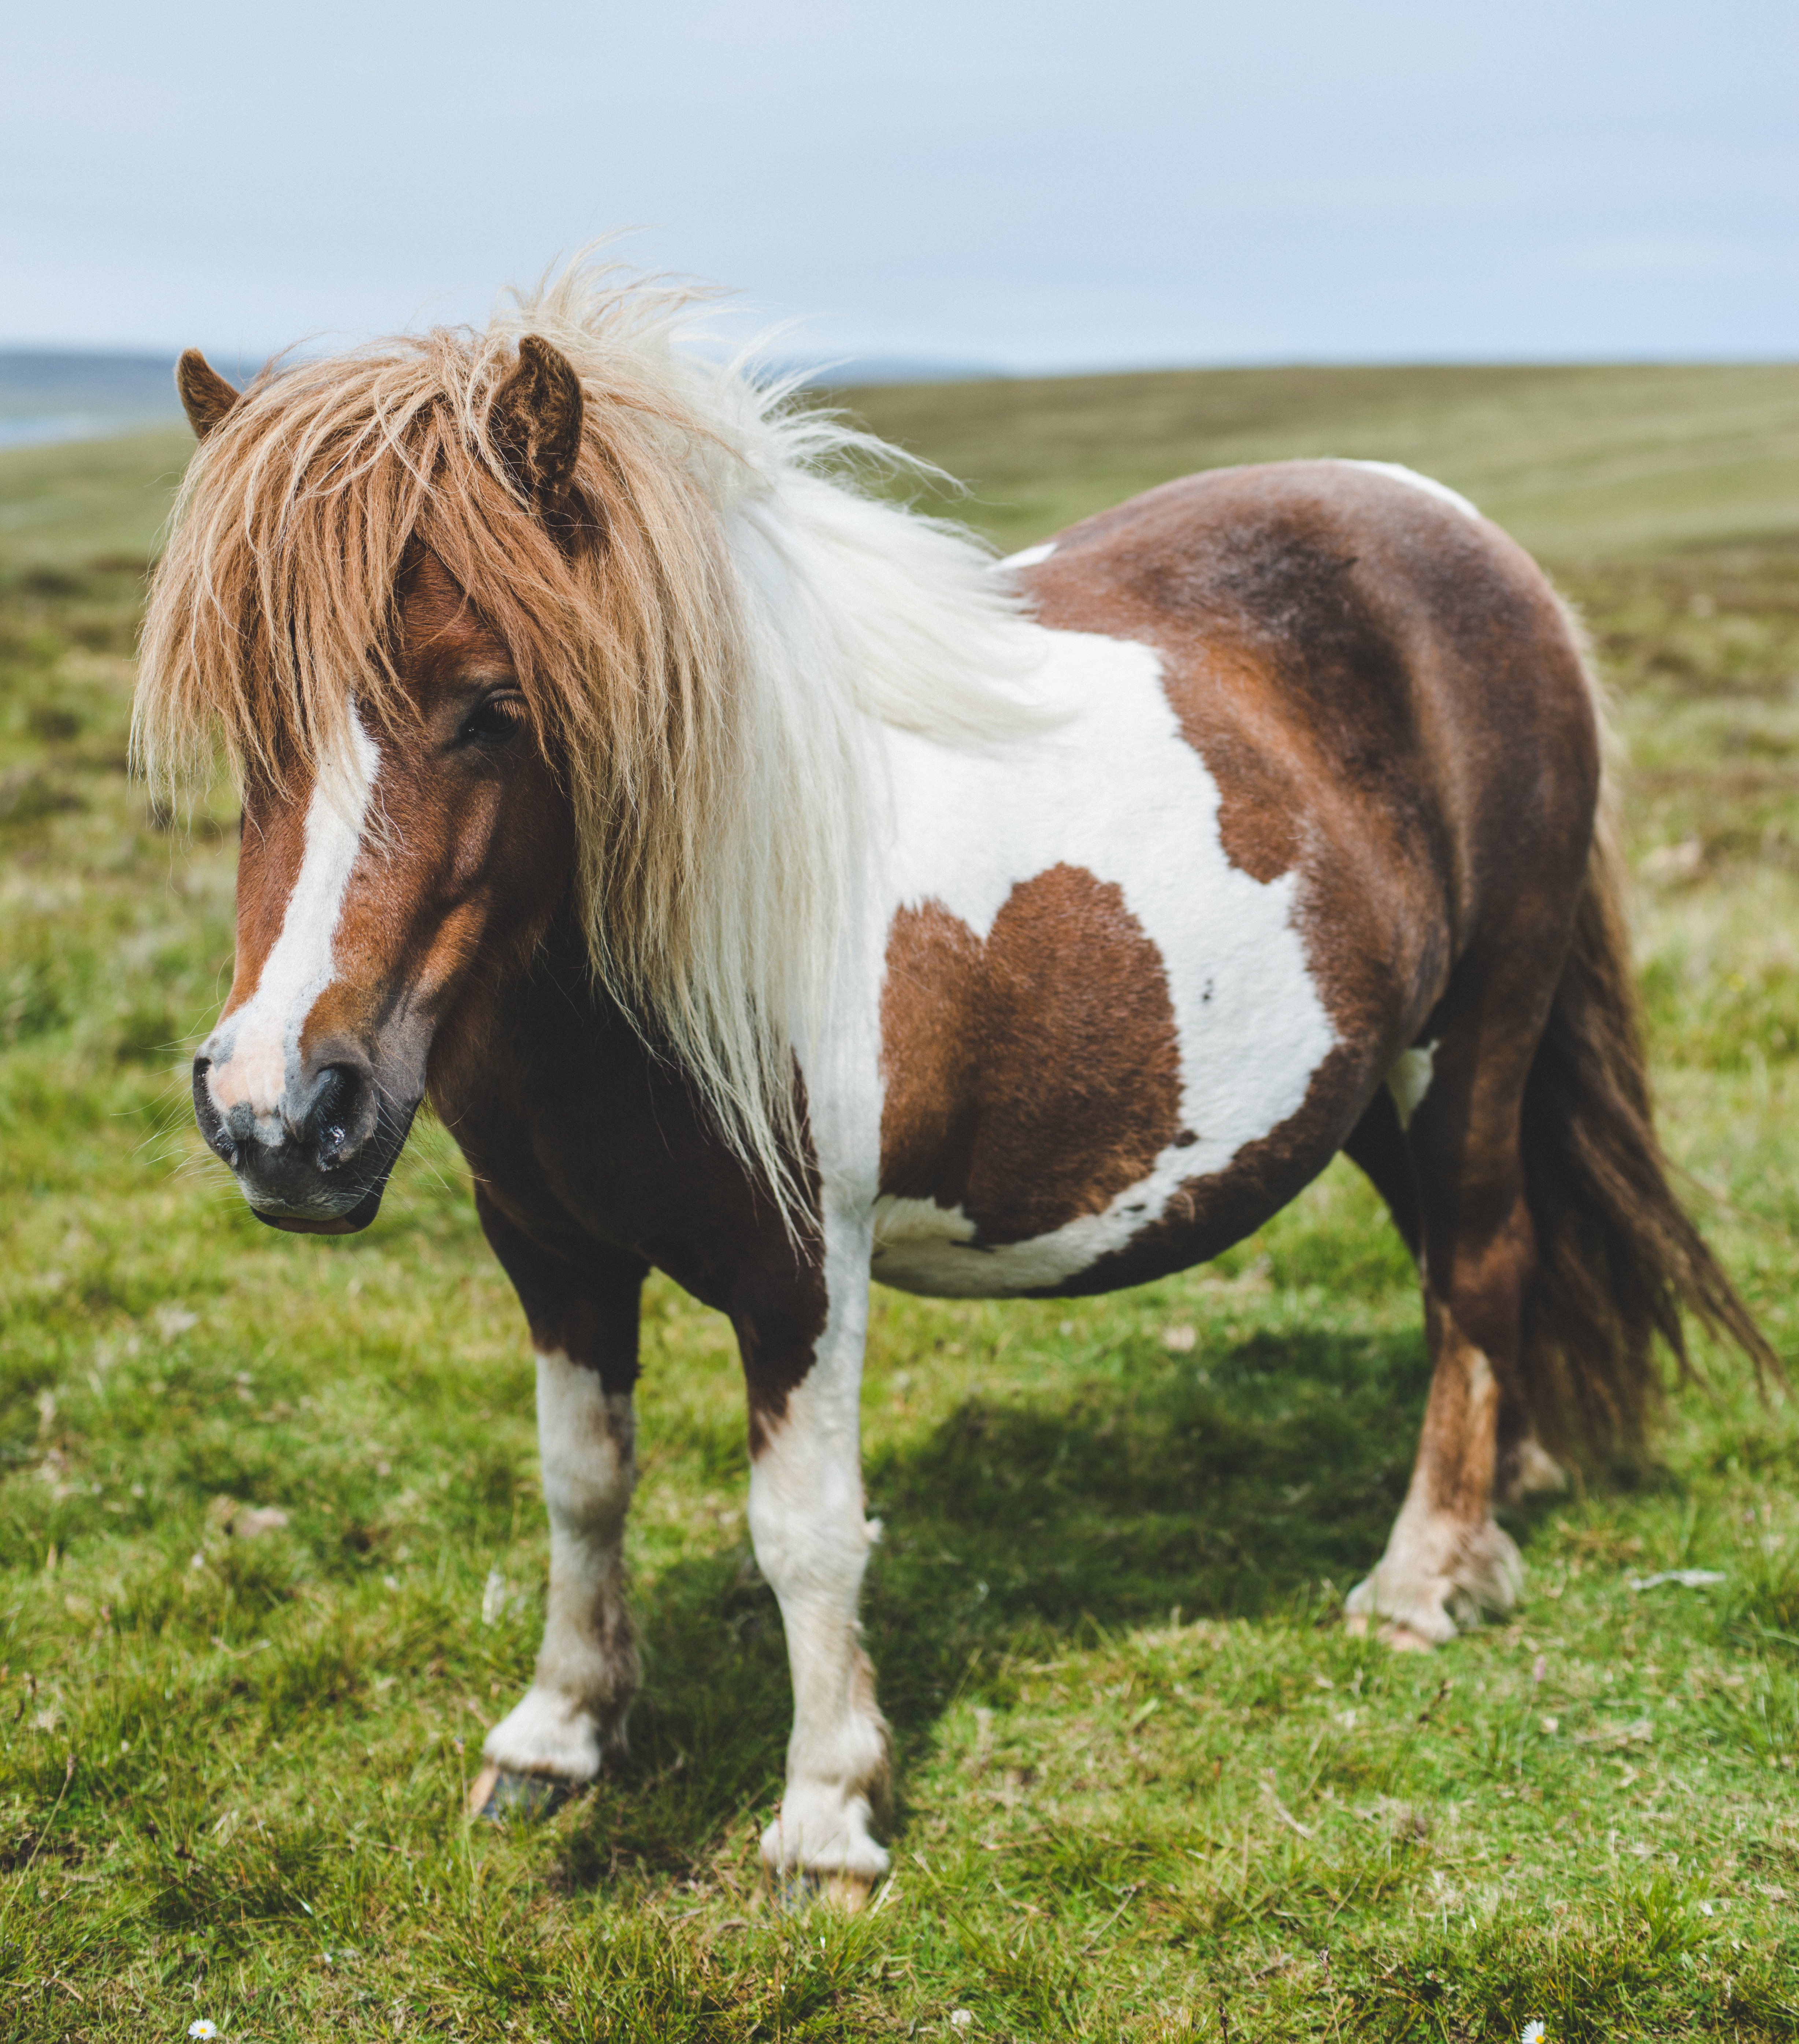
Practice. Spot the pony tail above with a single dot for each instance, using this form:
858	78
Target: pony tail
1619	1261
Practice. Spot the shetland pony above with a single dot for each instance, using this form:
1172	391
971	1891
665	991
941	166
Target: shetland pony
766	887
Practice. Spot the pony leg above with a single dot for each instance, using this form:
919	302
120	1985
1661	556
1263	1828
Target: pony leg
1448	1560
584	1319
812	1542
1378	1145
573	1715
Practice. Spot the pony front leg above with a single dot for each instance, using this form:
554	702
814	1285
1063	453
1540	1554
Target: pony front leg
812	1541
584	1319
573	1715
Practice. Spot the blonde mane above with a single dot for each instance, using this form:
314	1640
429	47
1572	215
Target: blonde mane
711	676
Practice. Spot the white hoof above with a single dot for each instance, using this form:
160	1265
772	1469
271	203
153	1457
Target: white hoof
1420	1610
1434	1580
820	1831
546	1734
1401	1639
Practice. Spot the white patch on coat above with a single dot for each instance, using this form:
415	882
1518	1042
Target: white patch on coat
255	1052
1027	557
574	1712
1410	1080
1117	791
1398	472
811	1540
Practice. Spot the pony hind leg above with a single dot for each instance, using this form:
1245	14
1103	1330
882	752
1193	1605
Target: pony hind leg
1448	1560
1378	1145
584	1323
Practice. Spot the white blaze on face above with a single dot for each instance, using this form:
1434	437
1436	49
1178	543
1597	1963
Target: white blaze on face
255	1052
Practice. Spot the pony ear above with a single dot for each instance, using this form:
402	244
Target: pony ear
535	425
206	397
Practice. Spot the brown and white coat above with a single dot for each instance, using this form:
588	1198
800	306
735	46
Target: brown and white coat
1246	822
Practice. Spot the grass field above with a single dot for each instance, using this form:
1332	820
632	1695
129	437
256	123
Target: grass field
1146	1785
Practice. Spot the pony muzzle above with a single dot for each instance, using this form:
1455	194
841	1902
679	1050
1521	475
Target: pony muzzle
314	1160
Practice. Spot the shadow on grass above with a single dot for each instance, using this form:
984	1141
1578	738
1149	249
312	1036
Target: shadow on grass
1267	1485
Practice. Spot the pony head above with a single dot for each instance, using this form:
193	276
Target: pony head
399	835
557	613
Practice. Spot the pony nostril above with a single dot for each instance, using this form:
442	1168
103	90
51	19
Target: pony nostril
333	1116
213	1125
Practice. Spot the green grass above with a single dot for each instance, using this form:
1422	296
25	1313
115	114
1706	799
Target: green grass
1146	1785
64	507
1605	460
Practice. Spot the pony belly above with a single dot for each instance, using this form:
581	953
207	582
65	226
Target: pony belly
936	1251
920	1247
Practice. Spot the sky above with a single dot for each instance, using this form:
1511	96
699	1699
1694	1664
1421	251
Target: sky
1030	187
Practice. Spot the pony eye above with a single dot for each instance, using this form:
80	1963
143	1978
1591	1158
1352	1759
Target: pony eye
497	717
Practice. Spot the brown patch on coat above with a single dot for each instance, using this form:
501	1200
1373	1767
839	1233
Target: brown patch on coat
1457	1445
1032	1078
1276	597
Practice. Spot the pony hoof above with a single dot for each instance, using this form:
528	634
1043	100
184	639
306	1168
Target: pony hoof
795	1890
498	1795
1402	1639
848	1892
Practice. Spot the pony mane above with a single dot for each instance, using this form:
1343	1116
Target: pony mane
710	673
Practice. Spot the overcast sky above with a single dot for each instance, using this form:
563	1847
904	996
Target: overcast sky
1031	185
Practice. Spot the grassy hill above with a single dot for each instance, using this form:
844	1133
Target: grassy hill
65	505
1146	1787
1573	461
1605	463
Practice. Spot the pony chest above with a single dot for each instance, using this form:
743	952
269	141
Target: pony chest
1084	1005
